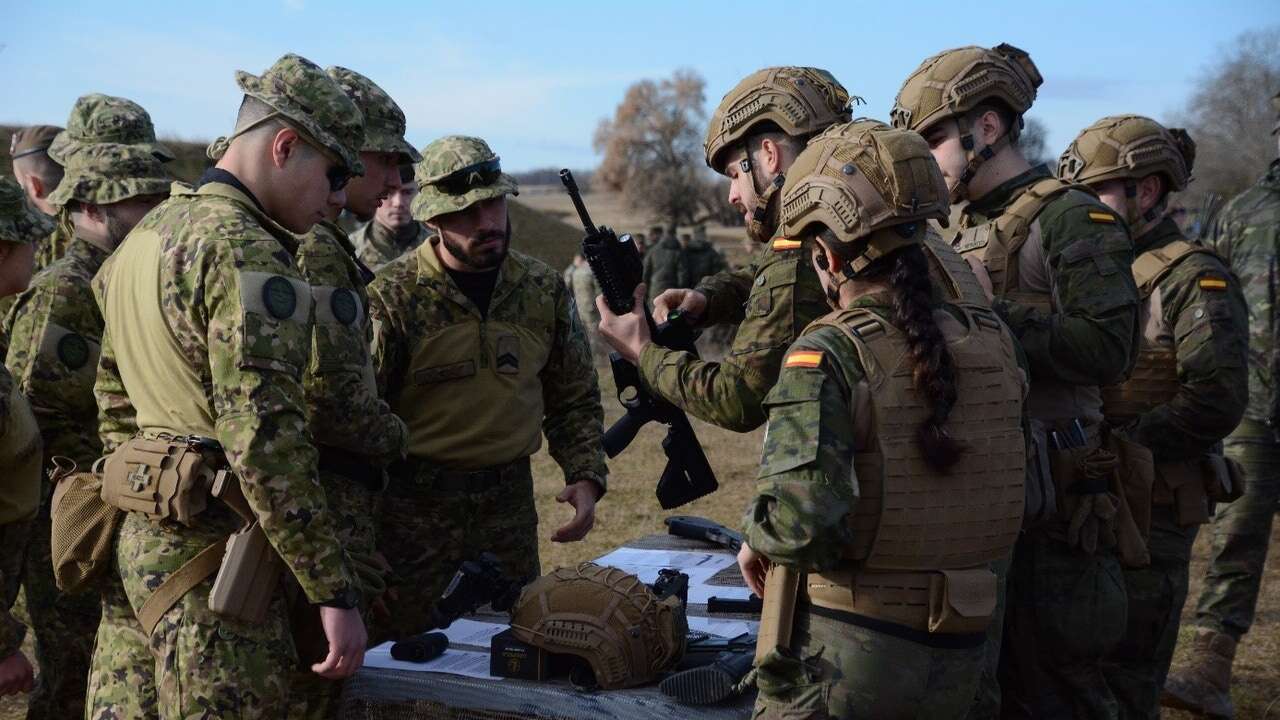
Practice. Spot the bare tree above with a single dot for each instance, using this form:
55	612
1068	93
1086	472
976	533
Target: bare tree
1034	142
1229	115
652	147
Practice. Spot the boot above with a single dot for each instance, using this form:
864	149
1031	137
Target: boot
1204	686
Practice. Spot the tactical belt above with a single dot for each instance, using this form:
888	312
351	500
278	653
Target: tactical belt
352	466
945	602
941	641
455	481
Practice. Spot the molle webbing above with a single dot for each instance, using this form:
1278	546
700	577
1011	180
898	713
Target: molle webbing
959	284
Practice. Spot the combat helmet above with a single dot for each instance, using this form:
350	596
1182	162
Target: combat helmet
870	185
1129	148
455	173
951	83
605	616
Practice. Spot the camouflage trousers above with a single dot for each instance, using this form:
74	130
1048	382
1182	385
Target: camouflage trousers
202	664
986	701
1066	612
64	627
122	681
426	533
1137	668
837	669
1241	533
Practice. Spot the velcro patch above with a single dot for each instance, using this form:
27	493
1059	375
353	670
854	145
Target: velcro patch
781	244
1213	283
1102	217
804	359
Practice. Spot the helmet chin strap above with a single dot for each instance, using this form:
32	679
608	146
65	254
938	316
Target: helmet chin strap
764	217
837	279
976	159
1137	219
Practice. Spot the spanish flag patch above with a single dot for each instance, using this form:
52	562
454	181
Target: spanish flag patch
1213	283
780	244
1102	217
804	359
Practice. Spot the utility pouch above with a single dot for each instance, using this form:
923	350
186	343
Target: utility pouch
162	478
1185	488
1223	478
83	526
247	578
781	586
1041	502
1065	471
961	601
1135	477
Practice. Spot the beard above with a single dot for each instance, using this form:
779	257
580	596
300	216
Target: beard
481	259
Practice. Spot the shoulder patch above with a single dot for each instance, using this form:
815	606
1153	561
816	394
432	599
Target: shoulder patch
782	244
73	351
1102	217
275	296
803	359
1215	284
279	297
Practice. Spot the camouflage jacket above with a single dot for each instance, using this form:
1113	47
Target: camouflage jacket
667	265
1198	311
56	331
480	391
1077	255
17	505
785	297
204	293
376	246
47	251
1246	234
342	398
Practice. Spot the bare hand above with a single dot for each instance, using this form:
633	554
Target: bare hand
582	495
689	302
627	334
16	675
347	640
753	566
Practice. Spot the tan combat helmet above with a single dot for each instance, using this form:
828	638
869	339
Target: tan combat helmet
1129	148
605	616
871	186
799	101
950	84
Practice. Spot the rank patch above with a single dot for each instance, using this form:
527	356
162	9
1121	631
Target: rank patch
1213	283
781	244
1102	217
804	359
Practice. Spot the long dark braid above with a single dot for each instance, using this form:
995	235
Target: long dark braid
934	371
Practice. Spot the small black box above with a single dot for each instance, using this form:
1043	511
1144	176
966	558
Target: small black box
511	658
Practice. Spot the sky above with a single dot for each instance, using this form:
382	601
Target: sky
535	79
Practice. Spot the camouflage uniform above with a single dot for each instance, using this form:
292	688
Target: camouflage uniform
669	265
55	329
1057	259
477	392
204	293
376	244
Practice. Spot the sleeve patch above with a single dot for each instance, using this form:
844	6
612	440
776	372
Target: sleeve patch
1102	217
73	350
1213	283
804	359
782	244
275	296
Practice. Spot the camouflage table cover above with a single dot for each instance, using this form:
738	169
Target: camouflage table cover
381	694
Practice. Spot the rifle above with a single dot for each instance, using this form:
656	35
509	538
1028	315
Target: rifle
477	583
700	528
616	264
711	670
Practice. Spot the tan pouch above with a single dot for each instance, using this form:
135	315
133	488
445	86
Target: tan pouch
248	577
1185	481
1137	477
83	527
781	587
961	601
164	479
1223	478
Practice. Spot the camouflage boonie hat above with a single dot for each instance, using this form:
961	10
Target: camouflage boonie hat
384	123
1128	147
956	81
101	118
455	173
307	98
107	173
19	222
31	140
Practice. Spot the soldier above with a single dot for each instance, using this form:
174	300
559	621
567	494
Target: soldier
1056	260
1246	234
480	350
21	227
38	175
1188	390
891	373
680	263
55	329
393	231
206	340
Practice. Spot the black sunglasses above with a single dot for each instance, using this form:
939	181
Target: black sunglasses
339	176
459	182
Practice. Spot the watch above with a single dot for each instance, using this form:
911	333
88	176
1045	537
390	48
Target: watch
348	599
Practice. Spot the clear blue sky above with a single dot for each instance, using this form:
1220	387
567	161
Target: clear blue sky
536	78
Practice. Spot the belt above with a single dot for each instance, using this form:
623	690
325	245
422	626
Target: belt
352	466
468	481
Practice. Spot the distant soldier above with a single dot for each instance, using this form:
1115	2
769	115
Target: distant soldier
21	227
38	175
393	231
680	263
1247	234
56	329
479	349
1188	390
208	335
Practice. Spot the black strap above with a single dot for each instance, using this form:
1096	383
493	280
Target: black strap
942	641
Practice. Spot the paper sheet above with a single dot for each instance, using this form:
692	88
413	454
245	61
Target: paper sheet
722	628
630	559
472	632
454	662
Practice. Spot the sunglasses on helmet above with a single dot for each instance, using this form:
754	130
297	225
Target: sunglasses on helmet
480	174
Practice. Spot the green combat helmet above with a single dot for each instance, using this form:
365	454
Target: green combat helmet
309	101
100	118
384	122
455	173
605	616
951	83
19	222
108	173
870	185
799	101
1129	148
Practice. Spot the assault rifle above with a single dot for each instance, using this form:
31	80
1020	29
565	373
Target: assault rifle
616	264
477	583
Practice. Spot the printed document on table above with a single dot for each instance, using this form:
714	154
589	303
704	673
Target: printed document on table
722	628
472	632
630	559
454	662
